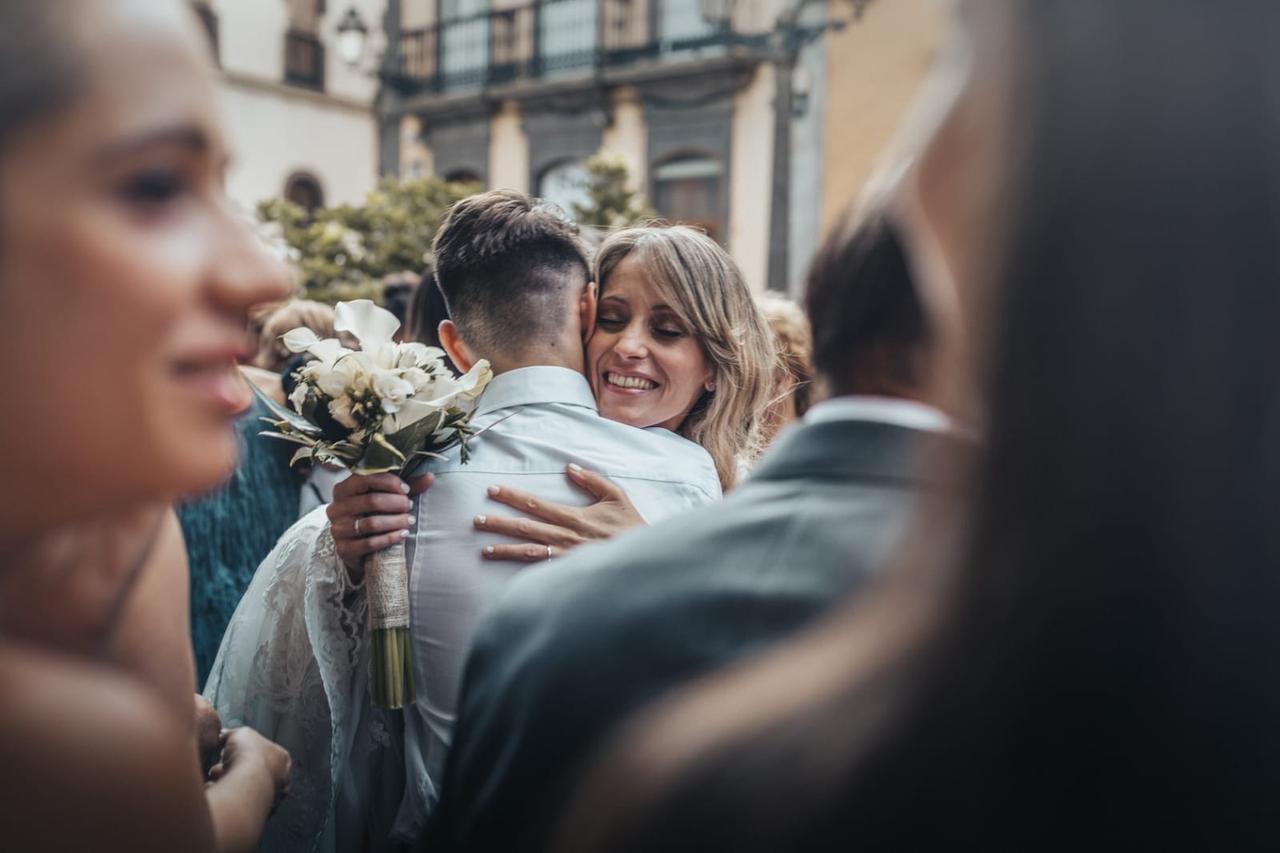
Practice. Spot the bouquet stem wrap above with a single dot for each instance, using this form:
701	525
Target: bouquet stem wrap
387	581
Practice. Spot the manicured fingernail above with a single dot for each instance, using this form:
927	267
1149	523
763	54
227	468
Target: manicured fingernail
479	521
410	521
404	487
488	550
575	468
404	534
494	490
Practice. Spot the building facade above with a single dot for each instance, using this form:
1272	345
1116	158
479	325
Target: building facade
302	121
720	107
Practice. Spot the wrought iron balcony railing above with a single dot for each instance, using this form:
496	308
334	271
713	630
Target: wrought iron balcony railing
549	38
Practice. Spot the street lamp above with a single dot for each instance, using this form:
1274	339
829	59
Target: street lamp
352	35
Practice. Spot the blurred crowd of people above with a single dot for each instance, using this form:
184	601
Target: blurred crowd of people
970	549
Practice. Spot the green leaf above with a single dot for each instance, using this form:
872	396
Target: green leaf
305	441
283	415
380	457
416	435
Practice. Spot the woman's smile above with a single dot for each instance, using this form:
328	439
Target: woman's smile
628	384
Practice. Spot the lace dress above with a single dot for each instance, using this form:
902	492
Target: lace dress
293	664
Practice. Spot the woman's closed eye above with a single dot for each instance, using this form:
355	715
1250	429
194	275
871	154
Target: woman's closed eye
611	324
152	190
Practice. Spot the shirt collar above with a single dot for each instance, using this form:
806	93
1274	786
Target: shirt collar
885	410
540	384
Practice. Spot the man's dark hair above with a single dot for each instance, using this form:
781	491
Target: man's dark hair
869	324
505	263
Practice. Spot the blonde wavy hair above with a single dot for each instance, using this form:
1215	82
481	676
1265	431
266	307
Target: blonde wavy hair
702	284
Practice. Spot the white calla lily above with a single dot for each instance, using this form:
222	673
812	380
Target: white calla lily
328	351
370	324
300	339
476	379
448	391
303	339
410	413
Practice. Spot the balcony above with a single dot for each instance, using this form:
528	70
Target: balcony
552	39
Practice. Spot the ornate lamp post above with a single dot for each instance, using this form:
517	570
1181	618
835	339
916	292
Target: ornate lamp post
353	35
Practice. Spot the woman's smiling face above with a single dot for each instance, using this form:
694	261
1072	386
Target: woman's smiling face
646	366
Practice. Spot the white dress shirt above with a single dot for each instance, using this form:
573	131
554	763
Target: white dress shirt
545	418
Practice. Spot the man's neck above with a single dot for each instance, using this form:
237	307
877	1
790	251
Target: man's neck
554	355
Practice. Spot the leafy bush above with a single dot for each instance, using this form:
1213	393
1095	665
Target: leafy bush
343	252
612	205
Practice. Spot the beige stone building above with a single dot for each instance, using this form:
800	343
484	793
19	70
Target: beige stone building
517	93
872	71
302	121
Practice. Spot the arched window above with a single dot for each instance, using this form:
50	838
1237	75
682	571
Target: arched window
687	189
305	191
565	184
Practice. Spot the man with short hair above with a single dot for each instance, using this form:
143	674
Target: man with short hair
579	644
518	289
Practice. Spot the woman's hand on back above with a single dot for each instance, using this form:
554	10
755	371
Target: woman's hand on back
556	528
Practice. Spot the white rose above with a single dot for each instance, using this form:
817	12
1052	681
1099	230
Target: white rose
385	356
391	390
422	382
346	374
340	409
421	355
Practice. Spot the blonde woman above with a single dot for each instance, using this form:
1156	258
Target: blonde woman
679	344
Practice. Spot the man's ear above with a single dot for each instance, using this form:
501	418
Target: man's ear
587	304
453	345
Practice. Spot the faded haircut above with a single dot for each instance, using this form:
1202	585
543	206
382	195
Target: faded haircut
506	263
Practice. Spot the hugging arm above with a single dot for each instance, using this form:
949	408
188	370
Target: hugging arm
553	528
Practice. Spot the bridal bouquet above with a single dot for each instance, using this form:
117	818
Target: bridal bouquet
383	407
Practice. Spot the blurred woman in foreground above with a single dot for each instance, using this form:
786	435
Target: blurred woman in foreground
1088	655
125	283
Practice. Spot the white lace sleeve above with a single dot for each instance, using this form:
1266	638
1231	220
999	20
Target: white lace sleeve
288	667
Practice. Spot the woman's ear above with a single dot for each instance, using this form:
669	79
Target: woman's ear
587	304
453	345
710	382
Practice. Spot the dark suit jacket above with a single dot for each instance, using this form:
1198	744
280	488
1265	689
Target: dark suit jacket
576	645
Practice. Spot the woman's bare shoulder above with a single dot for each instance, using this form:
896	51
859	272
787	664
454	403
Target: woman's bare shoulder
91	759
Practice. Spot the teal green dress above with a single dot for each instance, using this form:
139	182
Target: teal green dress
231	530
